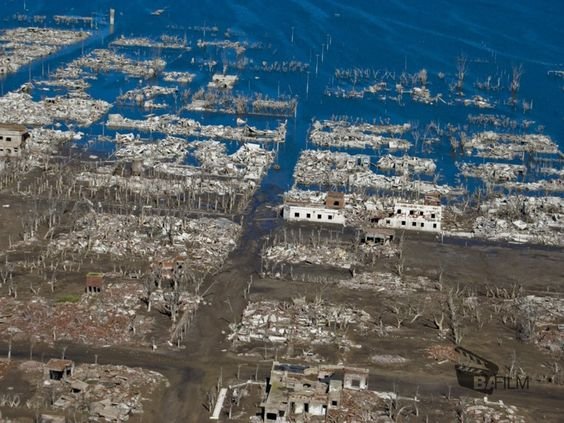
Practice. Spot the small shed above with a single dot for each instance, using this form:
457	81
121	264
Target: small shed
378	235
356	378
94	282
57	369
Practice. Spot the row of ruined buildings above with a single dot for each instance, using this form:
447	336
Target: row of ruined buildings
425	216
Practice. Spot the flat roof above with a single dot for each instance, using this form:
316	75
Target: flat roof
58	364
12	127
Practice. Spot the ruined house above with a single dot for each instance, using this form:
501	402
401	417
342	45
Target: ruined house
57	369
12	139
94	282
167	268
412	216
295	390
378	235
329	212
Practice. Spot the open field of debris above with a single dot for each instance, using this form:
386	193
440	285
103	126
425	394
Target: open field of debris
92	391
22	46
205	242
228	215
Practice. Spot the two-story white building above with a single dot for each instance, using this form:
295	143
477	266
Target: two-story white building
330	212
417	217
12	138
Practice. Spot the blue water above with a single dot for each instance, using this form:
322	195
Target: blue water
388	35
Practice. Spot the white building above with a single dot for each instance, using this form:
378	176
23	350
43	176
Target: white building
313	213
12	138
417	217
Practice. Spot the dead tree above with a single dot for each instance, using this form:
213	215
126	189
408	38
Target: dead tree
516	74
6	272
461	69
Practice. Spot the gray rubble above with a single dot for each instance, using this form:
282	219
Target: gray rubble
21	46
493	172
508	146
81	109
102	60
175	125
328	168
205	242
298	322
340	133
406	164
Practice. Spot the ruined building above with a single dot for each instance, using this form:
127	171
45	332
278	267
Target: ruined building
12	138
330	212
295	390
412	216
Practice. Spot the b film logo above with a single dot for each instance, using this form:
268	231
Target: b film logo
493	383
481	375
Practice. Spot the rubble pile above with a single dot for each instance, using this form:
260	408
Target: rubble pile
205	242
102	392
179	77
21	46
72	72
442	352
82	109
217	172
107	318
522	219
20	108
135	184
387	283
192	182
542	185
318	167
169	149
238	46
479	102
479	410
225	82
298	322
493	172
166	42
507	146
341	256
71	84
143	95
166	124
359	406
321	255
340	133
407	164
46	141
101	60
329	168
250	161
220	101
174	125
547	316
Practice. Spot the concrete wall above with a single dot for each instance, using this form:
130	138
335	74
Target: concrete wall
313	214
353	381
417	217
10	143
